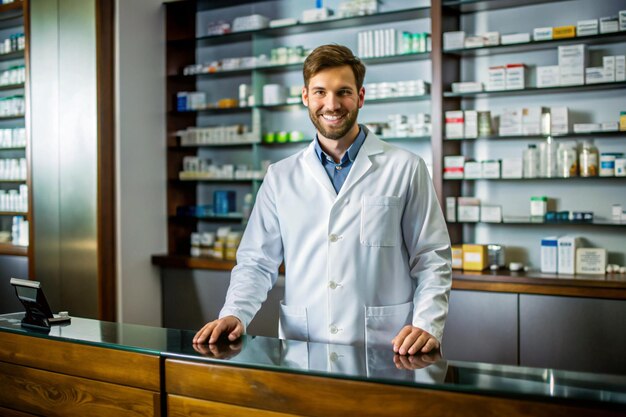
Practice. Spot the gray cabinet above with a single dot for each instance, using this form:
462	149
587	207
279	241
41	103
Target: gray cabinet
482	327
580	334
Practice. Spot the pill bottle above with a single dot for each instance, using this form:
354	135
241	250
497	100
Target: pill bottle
588	160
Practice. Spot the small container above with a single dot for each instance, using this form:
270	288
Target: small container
588	160
620	167
538	206
566	161
531	162
232	243
484	123
607	164
195	245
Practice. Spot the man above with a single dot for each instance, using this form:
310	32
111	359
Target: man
358	225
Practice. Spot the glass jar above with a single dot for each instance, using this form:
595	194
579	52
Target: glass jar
588	160
566	161
547	159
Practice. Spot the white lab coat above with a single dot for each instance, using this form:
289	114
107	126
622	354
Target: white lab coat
359	265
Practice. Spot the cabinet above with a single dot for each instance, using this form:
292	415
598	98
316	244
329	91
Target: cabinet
15	204
188	44
590	103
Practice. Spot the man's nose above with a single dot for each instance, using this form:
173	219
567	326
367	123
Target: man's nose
332	102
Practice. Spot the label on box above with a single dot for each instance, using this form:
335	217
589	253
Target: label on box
590	261
542	34
587	27
562	32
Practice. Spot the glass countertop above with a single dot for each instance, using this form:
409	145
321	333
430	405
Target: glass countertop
361	363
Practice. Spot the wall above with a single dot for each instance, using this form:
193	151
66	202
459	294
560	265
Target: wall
140	156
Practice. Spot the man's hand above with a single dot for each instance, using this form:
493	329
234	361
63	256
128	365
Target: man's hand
411	340
419	361
226	325
219	350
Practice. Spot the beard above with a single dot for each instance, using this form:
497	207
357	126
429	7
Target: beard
334	132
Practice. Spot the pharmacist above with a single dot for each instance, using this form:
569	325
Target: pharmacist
358	226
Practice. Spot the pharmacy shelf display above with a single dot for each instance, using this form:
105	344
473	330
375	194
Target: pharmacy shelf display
458	58
184	48
15	200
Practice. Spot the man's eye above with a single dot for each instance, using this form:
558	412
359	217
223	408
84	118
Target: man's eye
345	92
318	93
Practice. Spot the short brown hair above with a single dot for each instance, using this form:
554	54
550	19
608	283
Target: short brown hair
332	56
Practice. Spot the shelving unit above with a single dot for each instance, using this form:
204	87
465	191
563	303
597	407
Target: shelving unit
14	18
447	67
458	63
186	45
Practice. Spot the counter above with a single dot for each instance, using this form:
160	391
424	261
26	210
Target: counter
97	368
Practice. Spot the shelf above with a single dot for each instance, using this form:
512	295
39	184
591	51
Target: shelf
405	139
11	87
12	56
621	135
598	286
17	148
215	218
403	99
602	38
13	213
298	66
331	24
215	145
572	179
12	181
189	262
227	110
536	90
20	117
10	249
528	222
473	6
11	15
216	180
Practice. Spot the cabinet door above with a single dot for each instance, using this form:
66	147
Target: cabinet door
580	334
481	327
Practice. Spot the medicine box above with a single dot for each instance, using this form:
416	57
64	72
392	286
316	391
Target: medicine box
512	167
620	67
572	62
497	78
467	87
512	38
594	75
454	124
549	251
474	257
473	170
453	40
510	122
559	120
451	209
591	261
563	32
491	214
468	209
515	77
622	20
453	166
566	257
542	34
470	130
531	120
457	257
548	76
491	38
587	27
474	42
491	169
609	24
608	63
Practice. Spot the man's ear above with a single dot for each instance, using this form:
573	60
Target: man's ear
361	97
305	96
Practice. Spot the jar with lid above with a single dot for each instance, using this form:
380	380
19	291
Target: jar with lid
588	159
566	161
531	162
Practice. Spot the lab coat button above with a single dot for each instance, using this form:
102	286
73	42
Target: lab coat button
332	285
334	357
333	329
333	237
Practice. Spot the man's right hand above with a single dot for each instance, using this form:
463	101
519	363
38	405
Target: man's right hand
229	325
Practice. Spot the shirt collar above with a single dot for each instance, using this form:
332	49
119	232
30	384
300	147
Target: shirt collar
352	152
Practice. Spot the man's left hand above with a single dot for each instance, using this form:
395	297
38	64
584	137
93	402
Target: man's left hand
411	340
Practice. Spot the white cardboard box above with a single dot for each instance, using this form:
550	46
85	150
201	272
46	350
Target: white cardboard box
510	122
572	63
511	38
566	257
609	24
491	38
468	213
515	76
587	27
559	120
470	130
453	40
491	214
512	167
497	78
451	209
549	252
491	169
622	20
548	76
454	124
620	67
591	261
608	63
594	75
542	34
473	170
531	120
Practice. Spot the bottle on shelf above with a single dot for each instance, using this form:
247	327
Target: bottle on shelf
547	158
588	159
567	161
531	162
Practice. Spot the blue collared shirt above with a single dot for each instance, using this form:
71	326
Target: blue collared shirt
338	172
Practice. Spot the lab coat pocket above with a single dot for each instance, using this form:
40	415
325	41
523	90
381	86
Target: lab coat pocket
380	220
293	323
382	324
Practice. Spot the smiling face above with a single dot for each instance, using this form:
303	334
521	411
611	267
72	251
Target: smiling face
334	100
